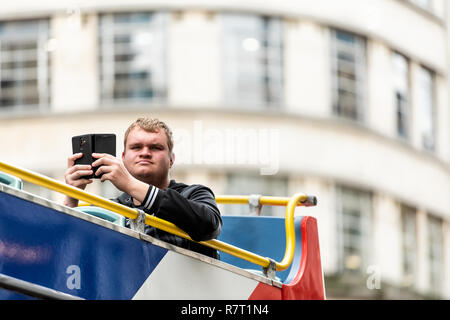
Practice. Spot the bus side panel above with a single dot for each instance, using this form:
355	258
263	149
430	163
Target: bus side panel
65	253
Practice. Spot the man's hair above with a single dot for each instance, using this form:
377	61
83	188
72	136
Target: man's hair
151	125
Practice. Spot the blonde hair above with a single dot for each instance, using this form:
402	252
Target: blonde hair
151	125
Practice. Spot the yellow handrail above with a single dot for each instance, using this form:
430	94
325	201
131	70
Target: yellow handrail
263	200
297	199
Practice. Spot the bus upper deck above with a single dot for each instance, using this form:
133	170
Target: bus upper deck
88	253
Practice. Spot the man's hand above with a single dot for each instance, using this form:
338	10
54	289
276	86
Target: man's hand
73	177
114	170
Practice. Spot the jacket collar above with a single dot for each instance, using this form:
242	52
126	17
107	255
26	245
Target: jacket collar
127	200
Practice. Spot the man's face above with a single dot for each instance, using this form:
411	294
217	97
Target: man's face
146	155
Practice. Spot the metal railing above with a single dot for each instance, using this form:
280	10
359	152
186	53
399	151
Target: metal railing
291	203
33	290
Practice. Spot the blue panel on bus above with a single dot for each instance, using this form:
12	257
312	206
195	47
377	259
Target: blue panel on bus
265	236
55	250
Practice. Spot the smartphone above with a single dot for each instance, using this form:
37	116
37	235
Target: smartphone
88	144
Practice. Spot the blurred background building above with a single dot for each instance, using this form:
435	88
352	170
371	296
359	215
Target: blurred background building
346	100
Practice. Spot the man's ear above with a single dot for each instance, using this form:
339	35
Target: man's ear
123	155
172	159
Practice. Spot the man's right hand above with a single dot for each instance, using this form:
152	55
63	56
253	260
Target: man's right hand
73	177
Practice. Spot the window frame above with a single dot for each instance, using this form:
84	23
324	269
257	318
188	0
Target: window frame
427	109
156	92
356	87
402	99
409	244
270	70
435	246
40	71
363	199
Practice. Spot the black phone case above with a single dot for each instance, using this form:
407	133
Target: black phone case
93	143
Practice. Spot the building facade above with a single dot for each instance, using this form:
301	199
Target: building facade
346	100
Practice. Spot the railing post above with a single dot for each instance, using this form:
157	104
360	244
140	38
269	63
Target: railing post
138	224
271	270
254	204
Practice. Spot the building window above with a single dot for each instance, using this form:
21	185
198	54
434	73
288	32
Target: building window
354	225
253	61
427	114
133	57
246	184
24	65
348	75
435	254
409	245
401	94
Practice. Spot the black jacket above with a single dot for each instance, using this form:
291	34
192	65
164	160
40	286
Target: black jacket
191	208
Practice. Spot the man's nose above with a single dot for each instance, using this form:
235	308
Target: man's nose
146	152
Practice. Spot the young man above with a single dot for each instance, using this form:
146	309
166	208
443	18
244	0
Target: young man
143	177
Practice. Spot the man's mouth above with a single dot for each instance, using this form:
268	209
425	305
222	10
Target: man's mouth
144	162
